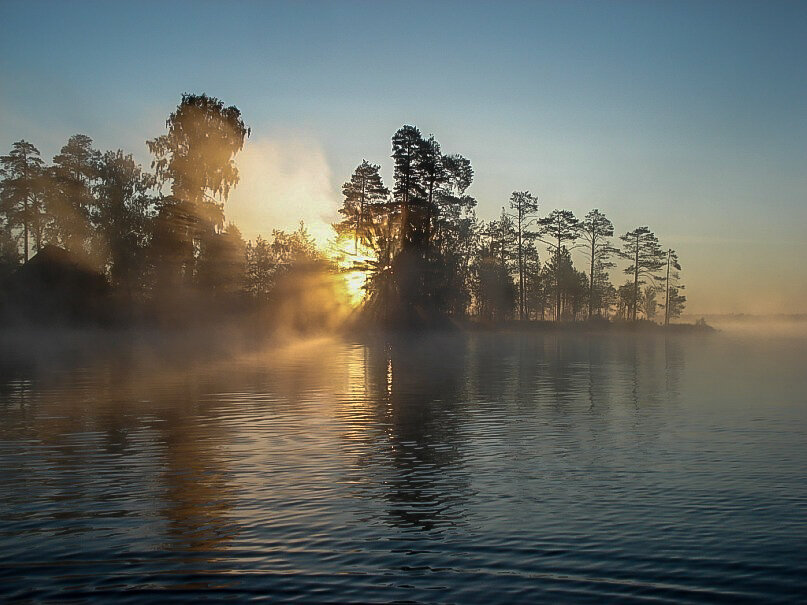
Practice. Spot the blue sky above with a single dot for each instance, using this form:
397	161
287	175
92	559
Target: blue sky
690	117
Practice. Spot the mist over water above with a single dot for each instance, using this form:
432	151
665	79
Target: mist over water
455	468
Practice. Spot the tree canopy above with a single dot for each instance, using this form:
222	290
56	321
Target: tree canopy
420	250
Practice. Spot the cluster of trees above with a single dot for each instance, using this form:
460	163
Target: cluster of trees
160	235
432	255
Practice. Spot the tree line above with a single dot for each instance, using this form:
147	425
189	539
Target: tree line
160	236
429	253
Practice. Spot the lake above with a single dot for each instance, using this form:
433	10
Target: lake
470	468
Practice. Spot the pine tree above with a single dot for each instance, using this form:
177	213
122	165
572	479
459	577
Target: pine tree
71	202
559	227
642	249
364	194
409	191
596	229
126	202
673	301
21	194
524	206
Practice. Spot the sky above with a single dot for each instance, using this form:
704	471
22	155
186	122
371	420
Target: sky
688	117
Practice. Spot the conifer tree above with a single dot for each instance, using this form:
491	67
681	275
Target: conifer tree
641	247
364	192
596	229
71	202
559	227
524	206
21	195
674	301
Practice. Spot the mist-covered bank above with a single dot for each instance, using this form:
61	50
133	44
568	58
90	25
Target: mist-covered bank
31	349
793	325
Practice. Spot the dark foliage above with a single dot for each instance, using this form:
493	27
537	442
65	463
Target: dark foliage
93	237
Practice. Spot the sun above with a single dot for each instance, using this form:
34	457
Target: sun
353	259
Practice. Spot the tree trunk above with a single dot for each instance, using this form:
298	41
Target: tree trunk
25	216
405	202
667	297
557	280
636	280
520	272
591	279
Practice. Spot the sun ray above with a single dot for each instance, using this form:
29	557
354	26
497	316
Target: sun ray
353	259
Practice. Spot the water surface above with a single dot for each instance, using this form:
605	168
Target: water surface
468	468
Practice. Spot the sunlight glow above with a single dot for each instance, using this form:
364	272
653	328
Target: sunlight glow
353	259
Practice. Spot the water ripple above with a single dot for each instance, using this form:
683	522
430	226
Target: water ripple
465	469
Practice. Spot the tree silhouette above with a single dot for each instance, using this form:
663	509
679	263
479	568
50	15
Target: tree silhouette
641	247
559	227
604	292
21	189
407	146
362	192
424	253
596	229
451	203
673	301
675	304
525	207
9	254
71	200
197	156
536	292
493	289
220	270
260	267
435	214
570	285
126	205
648	301
432	170
502	241
197	152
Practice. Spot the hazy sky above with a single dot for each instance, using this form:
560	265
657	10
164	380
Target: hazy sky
690	117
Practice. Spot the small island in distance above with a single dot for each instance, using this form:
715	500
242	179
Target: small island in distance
94	239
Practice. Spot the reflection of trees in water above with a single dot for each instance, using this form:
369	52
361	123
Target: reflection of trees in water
421	400
651	370
491	360
599	393
556	378
121	440
417	389
648	384
193	493
674	366
197	495
418	410
565	379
